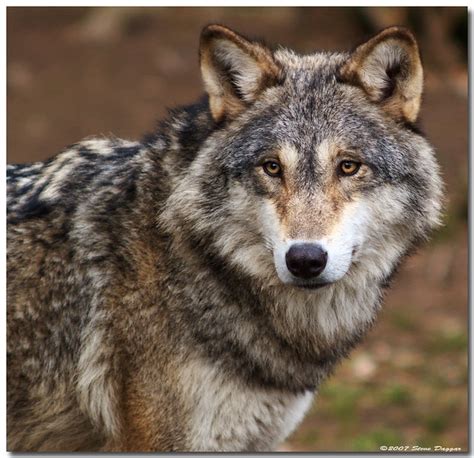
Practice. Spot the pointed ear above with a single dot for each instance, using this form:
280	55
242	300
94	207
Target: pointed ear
235	71
388	68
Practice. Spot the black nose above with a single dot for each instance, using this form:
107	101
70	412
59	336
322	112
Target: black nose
306	260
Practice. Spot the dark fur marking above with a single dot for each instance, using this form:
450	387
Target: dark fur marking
33	208
125	152
197	124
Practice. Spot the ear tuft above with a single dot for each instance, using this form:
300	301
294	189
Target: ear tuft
388	68
235	71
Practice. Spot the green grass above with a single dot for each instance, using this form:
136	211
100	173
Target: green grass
307	438
341	401
373	440
448	342
436	423
403	321
396	394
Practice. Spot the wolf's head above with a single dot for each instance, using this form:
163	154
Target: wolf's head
313	172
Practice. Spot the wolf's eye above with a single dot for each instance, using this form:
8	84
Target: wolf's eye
272	168
348	168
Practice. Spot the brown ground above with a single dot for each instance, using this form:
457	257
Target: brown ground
76	72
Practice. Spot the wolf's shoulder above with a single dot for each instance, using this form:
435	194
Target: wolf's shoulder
78	170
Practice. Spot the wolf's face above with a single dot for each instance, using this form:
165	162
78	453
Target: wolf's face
316	173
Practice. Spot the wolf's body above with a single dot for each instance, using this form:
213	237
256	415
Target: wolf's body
153	301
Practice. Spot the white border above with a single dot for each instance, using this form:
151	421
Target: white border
189	3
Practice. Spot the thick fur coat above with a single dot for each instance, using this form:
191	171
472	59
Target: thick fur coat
157	299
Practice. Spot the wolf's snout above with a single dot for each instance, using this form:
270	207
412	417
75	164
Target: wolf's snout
306	260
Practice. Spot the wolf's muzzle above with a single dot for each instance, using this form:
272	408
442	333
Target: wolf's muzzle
306	260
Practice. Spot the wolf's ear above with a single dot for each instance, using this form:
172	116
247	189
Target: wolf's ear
235	71
388	68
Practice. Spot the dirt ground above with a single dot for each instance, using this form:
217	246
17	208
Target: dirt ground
76	72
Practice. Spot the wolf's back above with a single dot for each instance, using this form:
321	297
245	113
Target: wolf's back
36	189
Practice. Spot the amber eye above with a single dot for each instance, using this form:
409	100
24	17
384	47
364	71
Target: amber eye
348	168
272	168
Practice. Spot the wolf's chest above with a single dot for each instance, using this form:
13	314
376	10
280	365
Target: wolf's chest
225	415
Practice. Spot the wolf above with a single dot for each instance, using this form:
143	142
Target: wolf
191	291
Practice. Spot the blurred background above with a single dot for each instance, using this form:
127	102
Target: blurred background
76	72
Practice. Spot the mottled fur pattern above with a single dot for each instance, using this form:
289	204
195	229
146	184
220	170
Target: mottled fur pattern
150	306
